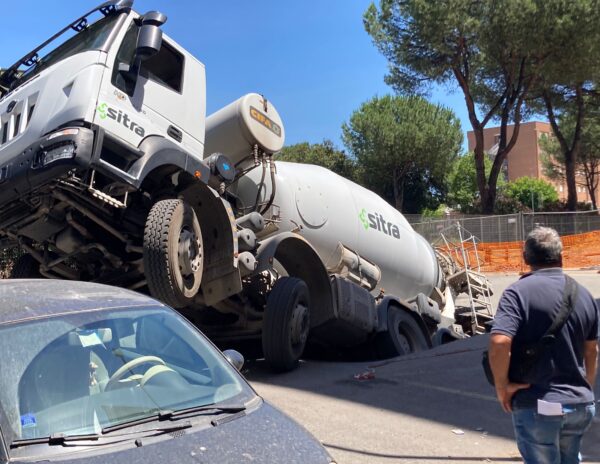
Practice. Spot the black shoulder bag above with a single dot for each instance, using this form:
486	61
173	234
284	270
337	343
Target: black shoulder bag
524	360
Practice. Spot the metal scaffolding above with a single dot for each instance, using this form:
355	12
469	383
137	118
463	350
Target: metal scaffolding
464	276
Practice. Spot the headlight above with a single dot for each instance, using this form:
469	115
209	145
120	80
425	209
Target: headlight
58	153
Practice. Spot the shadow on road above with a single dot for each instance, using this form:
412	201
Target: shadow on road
445	385
414	458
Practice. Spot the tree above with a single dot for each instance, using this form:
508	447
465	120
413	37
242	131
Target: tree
588	159
531	192
496	52
396	139
569	87
321	154
463	193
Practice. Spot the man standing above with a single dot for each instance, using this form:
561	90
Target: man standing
552	412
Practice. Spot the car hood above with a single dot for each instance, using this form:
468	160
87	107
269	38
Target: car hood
263	436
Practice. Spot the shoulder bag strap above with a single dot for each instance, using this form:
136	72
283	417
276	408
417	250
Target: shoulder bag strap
568	302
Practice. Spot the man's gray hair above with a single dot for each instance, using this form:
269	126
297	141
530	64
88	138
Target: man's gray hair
543	246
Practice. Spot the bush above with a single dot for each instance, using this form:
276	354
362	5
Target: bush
438	213
531	193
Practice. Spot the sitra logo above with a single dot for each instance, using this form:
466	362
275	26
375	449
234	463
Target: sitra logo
105	111
378	222
102	110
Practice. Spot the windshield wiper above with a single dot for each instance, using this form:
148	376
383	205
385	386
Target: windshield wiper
55	439
225	409
62	439
175	415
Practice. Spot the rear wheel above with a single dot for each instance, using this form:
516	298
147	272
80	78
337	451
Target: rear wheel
26	267
286	323
173	255
404	336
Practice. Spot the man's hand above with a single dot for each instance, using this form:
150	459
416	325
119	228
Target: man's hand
506	393
590	359
499	353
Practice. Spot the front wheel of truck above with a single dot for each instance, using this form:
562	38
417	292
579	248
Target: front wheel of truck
173	254
286	323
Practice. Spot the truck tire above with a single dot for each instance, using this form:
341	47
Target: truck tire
26	267
286	323
173	255
404	336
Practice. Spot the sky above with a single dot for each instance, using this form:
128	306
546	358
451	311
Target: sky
311	58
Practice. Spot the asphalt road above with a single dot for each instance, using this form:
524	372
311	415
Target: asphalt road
432	407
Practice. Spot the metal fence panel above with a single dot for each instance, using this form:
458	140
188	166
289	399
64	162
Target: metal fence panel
511	227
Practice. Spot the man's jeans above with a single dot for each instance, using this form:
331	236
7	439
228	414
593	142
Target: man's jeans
552	439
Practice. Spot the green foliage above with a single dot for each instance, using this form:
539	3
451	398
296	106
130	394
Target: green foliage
488	41
553	159
404	147
496	52
531	192
588	156
321	154
463	193
437	213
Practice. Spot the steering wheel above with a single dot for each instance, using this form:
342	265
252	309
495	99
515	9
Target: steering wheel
121	371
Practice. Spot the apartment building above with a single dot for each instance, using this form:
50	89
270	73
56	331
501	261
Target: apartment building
525	159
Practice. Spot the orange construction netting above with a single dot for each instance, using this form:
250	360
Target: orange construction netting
579	252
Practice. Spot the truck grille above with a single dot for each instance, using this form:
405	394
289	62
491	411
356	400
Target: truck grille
14	123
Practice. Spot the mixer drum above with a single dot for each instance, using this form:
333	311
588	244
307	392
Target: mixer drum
329	210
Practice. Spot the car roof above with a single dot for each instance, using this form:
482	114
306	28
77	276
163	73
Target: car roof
22	299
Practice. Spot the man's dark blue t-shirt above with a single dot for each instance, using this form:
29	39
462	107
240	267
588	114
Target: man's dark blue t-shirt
525	312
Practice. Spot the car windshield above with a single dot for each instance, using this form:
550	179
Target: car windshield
91	37
79	373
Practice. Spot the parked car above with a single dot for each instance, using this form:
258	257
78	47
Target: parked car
94	373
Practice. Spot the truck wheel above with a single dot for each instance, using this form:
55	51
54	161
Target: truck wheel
173	256
26	267
404	336
286	323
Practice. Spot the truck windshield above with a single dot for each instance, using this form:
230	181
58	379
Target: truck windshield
84	37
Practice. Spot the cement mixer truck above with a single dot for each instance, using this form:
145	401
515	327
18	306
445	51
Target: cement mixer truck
111	172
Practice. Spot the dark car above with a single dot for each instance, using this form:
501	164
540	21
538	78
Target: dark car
91	373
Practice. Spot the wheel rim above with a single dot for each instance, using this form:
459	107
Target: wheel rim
404	338
299	325
189	252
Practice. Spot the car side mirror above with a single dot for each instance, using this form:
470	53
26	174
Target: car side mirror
149	41
235	358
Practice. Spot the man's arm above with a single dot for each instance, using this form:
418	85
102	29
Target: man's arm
499	354
590	360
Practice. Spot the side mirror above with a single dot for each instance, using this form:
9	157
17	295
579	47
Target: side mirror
235	358
149	38
149	41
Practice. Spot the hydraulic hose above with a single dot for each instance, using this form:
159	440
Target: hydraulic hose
261	185
273	185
